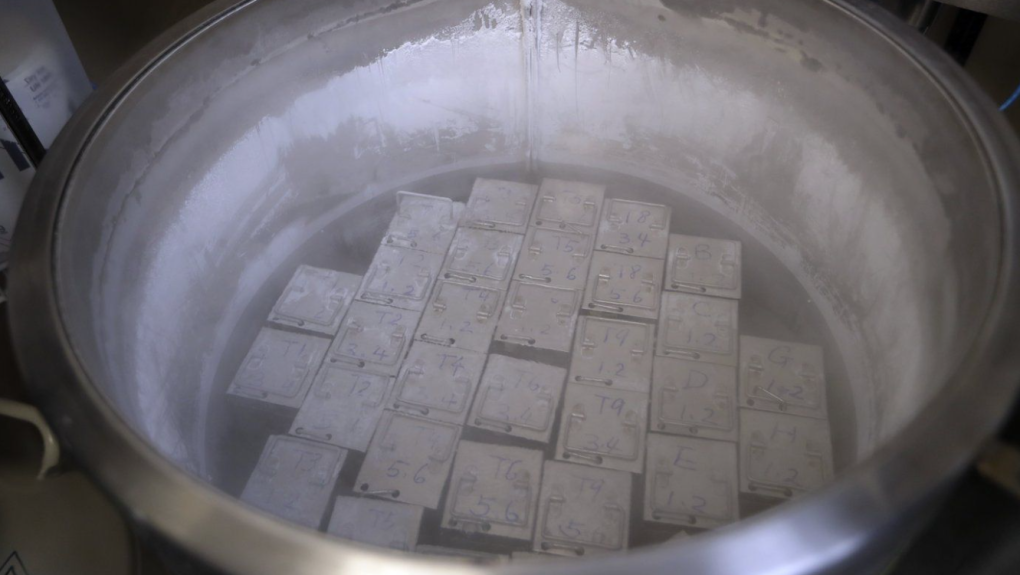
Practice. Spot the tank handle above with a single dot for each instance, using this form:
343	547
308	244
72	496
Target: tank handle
29	414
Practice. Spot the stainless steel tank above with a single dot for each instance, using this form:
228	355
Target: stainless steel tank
843	145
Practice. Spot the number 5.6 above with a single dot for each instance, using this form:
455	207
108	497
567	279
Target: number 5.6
395	470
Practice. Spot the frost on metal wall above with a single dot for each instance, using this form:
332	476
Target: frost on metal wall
640	69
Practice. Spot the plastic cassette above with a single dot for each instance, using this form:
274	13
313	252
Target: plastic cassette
690	482
694	398
482	257
783	455
613	353
461	315
294	479
624	285
603	428
555	257
381	523
573	206
343	407
373	338
699	328
582	510
703	266
494	490
539	316
499	205
400	277
315	300
518	398
438	382
408	460
634	228
279	367
424	223
782	376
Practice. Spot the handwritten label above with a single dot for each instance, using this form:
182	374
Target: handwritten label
495	204
518	397
409	459
482	254
634	228
555	258
784	454
373	337
437	382
783	376
624	284
380	523
568	204
691	481
342	408
499	403
423	223
583	509
494	490
704	266
400	277
315	299
693	326
603	427
294	478
539	316
279	367
613	353
461	315
694	398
